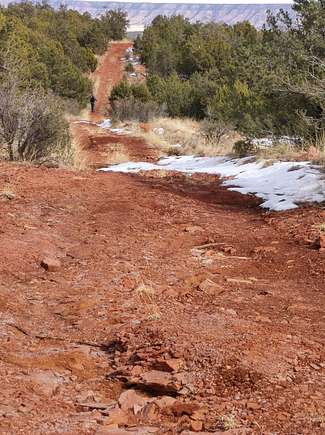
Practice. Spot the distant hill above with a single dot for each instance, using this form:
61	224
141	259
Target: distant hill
141	14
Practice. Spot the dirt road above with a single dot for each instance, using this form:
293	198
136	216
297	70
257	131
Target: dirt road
98	145
169	305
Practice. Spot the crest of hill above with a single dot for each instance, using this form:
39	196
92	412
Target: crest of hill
141	14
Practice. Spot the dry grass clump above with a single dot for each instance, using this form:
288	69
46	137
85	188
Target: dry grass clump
184	136
118	155
7	192
228	422
147	299
293	153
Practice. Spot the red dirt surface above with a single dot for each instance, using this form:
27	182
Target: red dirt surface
162	285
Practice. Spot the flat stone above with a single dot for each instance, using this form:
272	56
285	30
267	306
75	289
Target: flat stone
210	287
193	229
47	383
118	416
50	264
165	402
159	382
130	399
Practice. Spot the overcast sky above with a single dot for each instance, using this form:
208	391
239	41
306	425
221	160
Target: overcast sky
257	2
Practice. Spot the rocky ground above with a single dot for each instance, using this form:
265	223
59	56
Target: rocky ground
156	303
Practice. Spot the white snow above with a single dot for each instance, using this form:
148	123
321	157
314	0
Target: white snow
107	123
159	130
82	121
281	185
267	142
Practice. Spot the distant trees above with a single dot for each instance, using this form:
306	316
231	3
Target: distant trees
45	55
57	47
268	81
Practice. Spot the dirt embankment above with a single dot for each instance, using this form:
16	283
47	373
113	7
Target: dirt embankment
156	304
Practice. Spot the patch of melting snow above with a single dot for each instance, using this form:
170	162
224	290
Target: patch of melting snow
107	123
281	186
82	121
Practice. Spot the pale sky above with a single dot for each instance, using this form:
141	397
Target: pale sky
214	2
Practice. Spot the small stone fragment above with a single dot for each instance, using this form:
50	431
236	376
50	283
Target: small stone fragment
50	264
321	242
210	287
196	425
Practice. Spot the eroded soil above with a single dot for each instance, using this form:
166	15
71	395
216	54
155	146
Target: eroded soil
170	305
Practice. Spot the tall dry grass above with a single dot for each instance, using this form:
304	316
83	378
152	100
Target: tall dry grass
313	151
175	136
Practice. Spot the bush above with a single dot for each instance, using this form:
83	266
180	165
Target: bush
32	125
213	130
120	91
244	148
131	109
129	67
141	92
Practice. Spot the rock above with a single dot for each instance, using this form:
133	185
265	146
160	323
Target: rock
98	405
133	400
143	430
210	287
50	264
180	408
193	229
169	365
196	425
137	370
231	312
118	416
150	412
145	127
157	381
47	383
165	402
229	250
251	404
321	242
263	250
199	414
193	281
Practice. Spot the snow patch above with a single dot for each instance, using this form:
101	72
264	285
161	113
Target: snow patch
107	123
281	185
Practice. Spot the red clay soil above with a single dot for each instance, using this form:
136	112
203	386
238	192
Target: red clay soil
156	303
109	72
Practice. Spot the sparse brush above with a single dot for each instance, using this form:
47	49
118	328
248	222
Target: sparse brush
146	295
131	109
185	136
117	156
7	192
320	227
227	422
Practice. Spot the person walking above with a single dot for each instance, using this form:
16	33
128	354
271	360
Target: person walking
93	103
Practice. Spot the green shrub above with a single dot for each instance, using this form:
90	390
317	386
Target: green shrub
120	91
244	148
129	68
131	109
